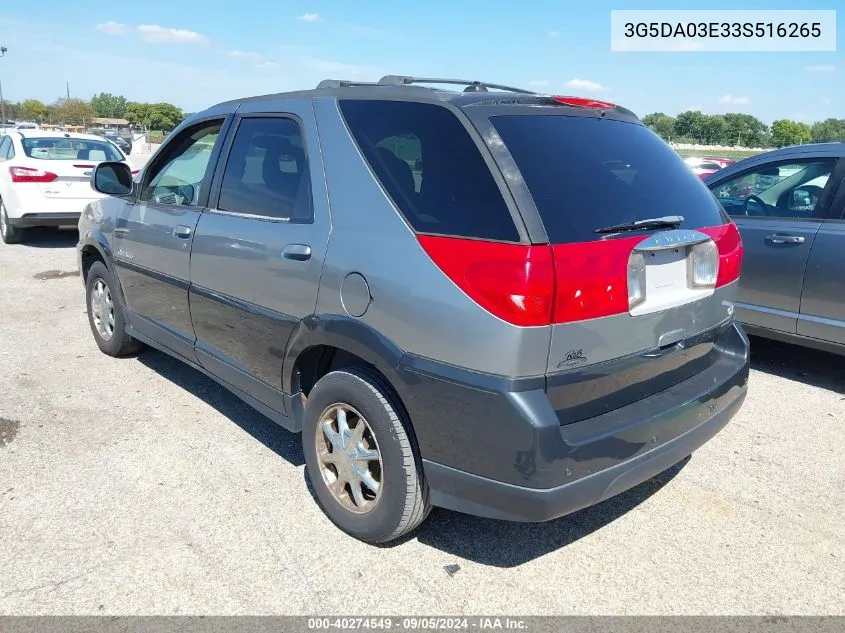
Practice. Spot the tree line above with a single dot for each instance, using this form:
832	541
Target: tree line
74	111
741	129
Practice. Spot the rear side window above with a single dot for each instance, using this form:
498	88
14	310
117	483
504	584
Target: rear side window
430	167
589	173
267	171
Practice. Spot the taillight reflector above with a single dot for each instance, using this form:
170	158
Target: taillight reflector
511	281
729	243
28	174
582	102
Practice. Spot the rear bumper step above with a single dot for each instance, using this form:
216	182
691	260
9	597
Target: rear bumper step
45	219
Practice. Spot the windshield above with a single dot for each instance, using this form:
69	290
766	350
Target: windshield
588	173
70	149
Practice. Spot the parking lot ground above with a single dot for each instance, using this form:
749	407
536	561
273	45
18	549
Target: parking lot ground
138	486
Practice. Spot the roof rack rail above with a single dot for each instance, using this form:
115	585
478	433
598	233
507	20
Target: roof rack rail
343	83
471	85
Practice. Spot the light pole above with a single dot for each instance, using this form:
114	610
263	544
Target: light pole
3	50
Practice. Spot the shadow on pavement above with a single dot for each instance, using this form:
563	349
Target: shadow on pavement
285	444
44	237
506	544
812	367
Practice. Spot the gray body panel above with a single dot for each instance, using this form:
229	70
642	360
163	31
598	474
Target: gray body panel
823	298
414	304
772	274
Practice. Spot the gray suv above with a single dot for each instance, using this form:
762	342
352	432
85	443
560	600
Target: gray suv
508	304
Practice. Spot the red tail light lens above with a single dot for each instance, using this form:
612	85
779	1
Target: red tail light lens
729	243
592	279
28	174
514	282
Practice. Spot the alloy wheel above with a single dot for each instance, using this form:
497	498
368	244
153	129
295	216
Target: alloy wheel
102	309
349	457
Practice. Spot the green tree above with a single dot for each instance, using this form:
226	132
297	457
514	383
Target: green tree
713	129
164	116
137	113
33	110
108	105
744	129
73	111
691	123
787	132
829	130
661	124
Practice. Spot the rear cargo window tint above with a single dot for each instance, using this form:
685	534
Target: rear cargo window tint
430	167
589	173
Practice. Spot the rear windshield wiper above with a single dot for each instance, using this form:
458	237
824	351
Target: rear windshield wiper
667	221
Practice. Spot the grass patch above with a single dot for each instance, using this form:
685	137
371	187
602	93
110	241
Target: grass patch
722	153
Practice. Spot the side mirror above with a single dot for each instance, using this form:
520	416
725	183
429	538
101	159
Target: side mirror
112	178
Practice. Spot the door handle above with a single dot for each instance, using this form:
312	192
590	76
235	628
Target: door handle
785	239
297	252
120	230
182	232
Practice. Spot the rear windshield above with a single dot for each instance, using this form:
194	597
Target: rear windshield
69	149
589	173
431	168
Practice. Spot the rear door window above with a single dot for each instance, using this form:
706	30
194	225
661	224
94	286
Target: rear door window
431	168
585	174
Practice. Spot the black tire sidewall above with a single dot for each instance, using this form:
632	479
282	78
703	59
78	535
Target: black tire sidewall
112	347
13	234
381	521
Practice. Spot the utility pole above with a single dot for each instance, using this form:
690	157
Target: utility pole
67	85
3	50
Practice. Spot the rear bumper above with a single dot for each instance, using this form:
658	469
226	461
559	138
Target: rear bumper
46	219
496	448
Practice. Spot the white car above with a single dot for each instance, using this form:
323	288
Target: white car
44	178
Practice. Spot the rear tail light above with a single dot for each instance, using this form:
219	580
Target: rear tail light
704	265
636	280
729	244
540	285
136	171
28	174
581	102
513	282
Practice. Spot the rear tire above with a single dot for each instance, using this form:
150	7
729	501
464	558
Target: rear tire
105	314
9	234
381	452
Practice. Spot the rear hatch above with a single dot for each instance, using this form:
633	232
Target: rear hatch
644	257
61	167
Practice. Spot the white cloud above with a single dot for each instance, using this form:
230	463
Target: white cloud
112	28
155	34
585	84
826	68
539	83
256	60
735	100
554	34
309	17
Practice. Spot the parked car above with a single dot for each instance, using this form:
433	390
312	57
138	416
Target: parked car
789	205
541	320
702	167
123	143
44	178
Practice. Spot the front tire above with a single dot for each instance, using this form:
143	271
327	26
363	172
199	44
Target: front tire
8	233
360	457
105	314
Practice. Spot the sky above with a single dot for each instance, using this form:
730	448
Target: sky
195	53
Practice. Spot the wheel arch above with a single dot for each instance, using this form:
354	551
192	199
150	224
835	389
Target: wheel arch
93	246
